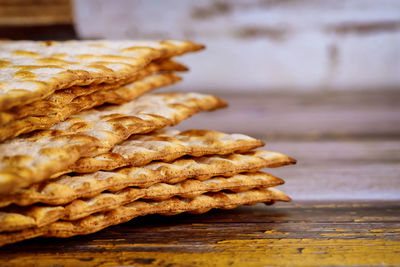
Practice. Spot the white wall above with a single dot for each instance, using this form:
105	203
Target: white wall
264	45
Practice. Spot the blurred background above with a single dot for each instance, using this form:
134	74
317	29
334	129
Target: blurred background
255	45
317	80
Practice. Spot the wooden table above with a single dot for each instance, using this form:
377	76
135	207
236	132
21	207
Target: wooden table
346	190
299	233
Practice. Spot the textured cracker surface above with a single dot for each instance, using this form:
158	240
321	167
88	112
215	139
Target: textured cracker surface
59	99
166	145
101	220
116	96
69	187
33	70
17	218
33	158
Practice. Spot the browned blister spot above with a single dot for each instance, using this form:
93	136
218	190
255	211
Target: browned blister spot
16	160
49	43
35	67
4	63
79	126
85	57
138	49
11	220
22	53
48	151
110	67
100	67
59	55
23	74
54	61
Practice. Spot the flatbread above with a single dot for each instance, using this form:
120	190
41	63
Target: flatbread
69	187
166	145
59	99
15	218
101	220
34	158
33	70
116	96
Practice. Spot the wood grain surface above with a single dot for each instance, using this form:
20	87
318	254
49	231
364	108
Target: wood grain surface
35	13
297	233
295	116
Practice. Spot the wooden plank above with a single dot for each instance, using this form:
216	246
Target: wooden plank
294	116
340	169
58	32
35	13
300	233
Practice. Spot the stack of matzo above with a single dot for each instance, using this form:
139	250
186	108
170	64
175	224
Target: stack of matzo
83	145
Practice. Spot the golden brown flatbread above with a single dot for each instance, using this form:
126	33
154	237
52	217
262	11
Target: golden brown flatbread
33	70
166	145
16	218
116	96
69	187
34	158
101	220
60	98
